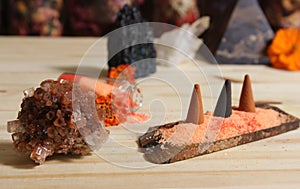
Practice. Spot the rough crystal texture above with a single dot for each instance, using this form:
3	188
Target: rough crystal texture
54	119
14	126
28	92
132	44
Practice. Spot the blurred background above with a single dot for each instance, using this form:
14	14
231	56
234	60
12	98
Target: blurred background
85	17
96	17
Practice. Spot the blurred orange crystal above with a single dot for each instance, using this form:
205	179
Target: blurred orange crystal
122	71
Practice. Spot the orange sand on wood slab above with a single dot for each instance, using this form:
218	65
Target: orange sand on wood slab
218	128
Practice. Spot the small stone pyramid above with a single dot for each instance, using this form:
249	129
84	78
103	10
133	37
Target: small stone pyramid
243	37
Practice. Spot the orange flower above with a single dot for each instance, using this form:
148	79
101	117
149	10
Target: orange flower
284	52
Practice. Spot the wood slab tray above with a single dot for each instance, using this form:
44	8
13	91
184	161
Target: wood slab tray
159	153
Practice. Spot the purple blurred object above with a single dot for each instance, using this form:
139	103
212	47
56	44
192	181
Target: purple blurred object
175	12
92	18
39	17
282	13
85	17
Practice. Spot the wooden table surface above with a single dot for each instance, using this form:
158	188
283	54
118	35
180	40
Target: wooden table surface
273	162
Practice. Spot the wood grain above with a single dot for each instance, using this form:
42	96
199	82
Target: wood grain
273	162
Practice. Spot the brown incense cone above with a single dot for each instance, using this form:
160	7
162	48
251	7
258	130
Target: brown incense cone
195	113
223	107
246	100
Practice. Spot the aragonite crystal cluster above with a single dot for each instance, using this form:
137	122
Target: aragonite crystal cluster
53	120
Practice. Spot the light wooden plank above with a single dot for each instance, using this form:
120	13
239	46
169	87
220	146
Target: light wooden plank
273	162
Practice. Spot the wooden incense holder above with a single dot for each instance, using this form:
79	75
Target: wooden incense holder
158	149
159	153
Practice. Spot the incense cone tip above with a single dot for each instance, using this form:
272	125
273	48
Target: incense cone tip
247	103
195	113
223	106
